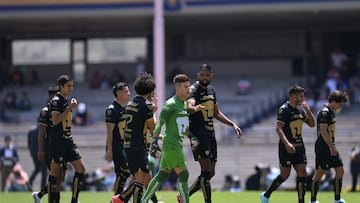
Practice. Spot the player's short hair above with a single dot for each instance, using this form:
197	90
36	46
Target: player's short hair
206	67
7	138
180	78
296	89
53	89
118	86
338	96
63	79
144	84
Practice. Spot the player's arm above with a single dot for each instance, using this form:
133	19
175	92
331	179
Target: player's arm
224	119
58	117
41	141
326	137
109	140
192	107
310	121
289	147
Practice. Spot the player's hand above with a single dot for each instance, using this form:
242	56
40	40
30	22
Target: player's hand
40	156
155	150
237	130
199	107
73	103
194	142
306	106
290	148
108	155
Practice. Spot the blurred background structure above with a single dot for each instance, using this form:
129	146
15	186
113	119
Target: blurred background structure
257	49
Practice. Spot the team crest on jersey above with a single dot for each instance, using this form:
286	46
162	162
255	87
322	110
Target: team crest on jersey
324	113
207	152
108	112
281	110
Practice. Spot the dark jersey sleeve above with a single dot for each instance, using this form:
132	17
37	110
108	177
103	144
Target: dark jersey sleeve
110	115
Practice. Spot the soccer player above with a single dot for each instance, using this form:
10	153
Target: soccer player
327	156
203	108
139	118
61	144
175	116
115	130
290	118
43	141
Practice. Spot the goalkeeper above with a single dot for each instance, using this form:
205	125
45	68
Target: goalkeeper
176	119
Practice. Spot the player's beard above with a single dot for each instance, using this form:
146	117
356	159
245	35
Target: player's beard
204	82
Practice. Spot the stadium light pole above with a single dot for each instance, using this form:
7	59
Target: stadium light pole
159	59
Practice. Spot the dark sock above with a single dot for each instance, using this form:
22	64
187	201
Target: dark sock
301	188
138	192
126	194
337	188
206	186
43	191
274	185
154	199
77	186
314	190
195	186
120	181
54	196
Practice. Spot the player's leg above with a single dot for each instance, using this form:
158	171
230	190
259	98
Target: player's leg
183	187
54	192
300	181
121	169
155	184
339	173
315	184
78	180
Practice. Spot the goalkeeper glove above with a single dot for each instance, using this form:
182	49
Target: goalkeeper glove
194	141
155	150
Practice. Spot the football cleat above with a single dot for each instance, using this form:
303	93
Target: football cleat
116	199
340	201
263	198
179	198
37	199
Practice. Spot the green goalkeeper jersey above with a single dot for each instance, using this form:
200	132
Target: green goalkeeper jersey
176	119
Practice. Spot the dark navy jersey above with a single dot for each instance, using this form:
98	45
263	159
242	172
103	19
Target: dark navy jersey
326	116
63	129
136	113
293	119
201	122
114	114
44	119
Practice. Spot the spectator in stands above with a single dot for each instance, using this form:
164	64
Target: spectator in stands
17	77
40	166
8	158
355	167
236	185
17	180
82	115
243	86
24	102
140	66
95	80
173	72
337	58
10	100
227	182
34	77
115	77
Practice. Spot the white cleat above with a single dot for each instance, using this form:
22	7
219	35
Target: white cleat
263	198
37	199
340	201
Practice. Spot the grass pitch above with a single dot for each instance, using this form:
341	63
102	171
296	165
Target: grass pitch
170	197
